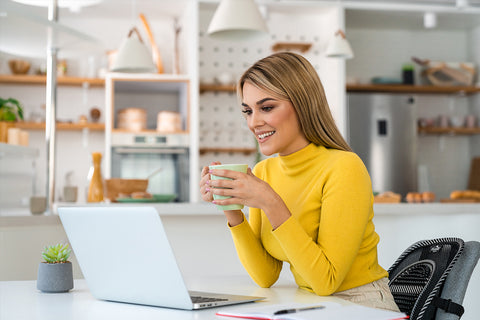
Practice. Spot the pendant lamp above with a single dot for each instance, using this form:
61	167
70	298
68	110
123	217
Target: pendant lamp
133	55
73	5
339	47
237	20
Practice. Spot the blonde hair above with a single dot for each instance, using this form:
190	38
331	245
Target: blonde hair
289	76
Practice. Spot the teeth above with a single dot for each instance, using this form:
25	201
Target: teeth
267	134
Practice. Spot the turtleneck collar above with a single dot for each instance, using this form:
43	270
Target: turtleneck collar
300	157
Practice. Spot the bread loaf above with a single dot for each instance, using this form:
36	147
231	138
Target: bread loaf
465	194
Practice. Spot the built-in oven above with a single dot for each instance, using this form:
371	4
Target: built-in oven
138	155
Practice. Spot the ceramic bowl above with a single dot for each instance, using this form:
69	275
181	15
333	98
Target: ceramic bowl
19	66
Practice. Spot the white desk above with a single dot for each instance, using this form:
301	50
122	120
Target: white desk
20	300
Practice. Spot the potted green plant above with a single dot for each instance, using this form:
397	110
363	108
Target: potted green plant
55	273
10	111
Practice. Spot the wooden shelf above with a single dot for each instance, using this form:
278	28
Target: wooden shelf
385	88
291	46
217	87
450	131
61	126
246	151
42	80
148	131
401	88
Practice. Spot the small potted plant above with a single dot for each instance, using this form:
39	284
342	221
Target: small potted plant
10	112
55	273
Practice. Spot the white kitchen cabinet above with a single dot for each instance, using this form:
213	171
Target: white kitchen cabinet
17	176
135	154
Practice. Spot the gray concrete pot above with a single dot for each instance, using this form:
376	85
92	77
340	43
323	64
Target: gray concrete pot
55	277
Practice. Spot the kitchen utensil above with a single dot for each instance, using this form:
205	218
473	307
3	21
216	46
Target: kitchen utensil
169	121
19	66
132	119
155	198
116	186
442	73
474	177
155	52
154	173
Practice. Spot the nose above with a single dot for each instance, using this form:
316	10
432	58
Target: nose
255	120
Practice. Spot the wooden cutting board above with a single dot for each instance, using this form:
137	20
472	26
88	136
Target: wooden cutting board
474	178
448	200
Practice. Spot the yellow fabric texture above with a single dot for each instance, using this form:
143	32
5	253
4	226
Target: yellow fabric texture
330	240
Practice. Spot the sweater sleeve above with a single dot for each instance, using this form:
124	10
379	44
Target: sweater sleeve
323	263
260	265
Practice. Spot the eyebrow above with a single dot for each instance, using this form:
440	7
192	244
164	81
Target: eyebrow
259	102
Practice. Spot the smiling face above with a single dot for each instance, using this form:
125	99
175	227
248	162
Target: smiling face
274	122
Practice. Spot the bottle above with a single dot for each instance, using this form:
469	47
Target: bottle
95	189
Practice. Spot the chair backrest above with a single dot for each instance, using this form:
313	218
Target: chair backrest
418	276
457	281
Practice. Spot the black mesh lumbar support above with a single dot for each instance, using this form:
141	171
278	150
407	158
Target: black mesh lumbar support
417	277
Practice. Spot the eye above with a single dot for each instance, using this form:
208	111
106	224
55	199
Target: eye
267	108
247	112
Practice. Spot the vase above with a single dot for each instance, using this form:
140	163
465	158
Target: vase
95	189
55	277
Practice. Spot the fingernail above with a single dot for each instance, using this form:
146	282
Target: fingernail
208	189
214	202
208	182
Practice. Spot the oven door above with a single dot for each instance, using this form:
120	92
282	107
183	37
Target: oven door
139	162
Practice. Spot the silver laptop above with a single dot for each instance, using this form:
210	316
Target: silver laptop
125	256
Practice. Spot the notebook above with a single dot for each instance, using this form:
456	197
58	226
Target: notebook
125	256
325	310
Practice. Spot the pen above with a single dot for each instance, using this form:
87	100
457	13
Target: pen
295	310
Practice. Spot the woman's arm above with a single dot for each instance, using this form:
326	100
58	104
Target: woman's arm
261	266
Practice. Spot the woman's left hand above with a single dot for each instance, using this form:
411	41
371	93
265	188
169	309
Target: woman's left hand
244	188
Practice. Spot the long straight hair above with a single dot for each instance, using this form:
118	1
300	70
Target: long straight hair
289	76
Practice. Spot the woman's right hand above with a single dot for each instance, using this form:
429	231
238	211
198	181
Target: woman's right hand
204	177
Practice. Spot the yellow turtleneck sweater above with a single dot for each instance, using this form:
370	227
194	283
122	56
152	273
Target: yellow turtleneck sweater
330	240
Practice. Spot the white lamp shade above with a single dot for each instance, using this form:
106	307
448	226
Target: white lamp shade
237	20
133	56
339	47
61	3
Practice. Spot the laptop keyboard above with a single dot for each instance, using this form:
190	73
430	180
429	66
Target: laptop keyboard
200	299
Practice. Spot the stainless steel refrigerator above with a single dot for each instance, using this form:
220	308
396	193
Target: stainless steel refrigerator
382	131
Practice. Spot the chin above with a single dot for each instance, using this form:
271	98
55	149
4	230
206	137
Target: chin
266	152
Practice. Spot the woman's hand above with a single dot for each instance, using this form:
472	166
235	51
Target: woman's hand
246	189
204	177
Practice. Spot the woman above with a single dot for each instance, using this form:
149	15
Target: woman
312	205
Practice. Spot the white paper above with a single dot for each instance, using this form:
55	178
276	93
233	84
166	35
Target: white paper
332	311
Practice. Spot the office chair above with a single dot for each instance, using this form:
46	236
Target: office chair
429	279
457	281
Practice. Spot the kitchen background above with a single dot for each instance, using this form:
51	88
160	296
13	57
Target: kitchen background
382	40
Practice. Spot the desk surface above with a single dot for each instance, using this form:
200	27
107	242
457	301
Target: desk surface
21	300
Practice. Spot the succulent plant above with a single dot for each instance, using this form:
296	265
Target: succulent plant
58	253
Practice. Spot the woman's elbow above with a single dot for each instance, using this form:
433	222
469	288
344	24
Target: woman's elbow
264	283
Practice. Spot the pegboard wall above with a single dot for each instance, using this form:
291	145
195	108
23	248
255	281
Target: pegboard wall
221	122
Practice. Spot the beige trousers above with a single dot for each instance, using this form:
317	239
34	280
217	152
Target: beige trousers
375	295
